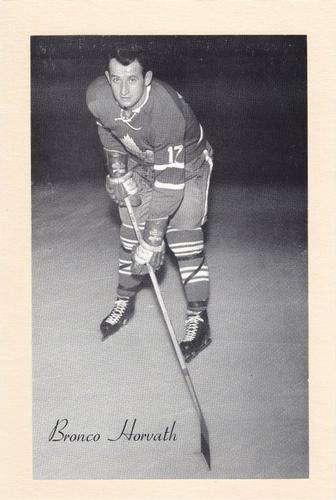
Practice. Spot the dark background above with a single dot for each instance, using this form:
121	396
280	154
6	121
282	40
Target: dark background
249	92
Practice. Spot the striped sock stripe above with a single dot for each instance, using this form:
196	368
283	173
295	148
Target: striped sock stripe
188	250
197	275
196	280
185	243
128	240
192	256
128	247
126	250
125	267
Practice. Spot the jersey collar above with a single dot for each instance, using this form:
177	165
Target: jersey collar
137	110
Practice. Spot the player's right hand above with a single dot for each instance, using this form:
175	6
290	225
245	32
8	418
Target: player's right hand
118	189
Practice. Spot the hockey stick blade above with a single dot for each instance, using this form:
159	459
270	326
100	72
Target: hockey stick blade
205	447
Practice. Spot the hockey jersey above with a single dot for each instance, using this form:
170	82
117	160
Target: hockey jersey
162	135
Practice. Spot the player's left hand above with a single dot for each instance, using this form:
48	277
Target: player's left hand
144	253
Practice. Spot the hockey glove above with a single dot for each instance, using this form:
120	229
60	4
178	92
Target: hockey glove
147	254
118	188
151	249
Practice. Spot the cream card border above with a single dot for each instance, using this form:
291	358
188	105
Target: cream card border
20	20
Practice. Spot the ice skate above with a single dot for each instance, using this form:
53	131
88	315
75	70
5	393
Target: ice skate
122	311
197	336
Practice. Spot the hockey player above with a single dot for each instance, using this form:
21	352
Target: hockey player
171	163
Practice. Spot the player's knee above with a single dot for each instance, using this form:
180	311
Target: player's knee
189	219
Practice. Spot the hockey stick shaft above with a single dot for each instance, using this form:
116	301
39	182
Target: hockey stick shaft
184	369
158	291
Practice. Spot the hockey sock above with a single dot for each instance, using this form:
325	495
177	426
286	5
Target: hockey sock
188	248
129	284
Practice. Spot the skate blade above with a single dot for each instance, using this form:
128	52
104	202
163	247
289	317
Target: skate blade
108	335
193	355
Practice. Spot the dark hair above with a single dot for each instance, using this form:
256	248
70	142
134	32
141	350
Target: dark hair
128	53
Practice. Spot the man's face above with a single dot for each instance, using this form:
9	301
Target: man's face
127	82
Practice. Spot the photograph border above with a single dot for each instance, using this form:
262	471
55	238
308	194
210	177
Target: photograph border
20	20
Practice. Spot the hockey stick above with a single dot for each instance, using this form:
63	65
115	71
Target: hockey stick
205	447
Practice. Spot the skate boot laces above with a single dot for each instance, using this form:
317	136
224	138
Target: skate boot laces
117	311
192	324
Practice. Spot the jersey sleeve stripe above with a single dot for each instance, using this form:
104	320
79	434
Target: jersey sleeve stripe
140	224
173	230
167	185
169	165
